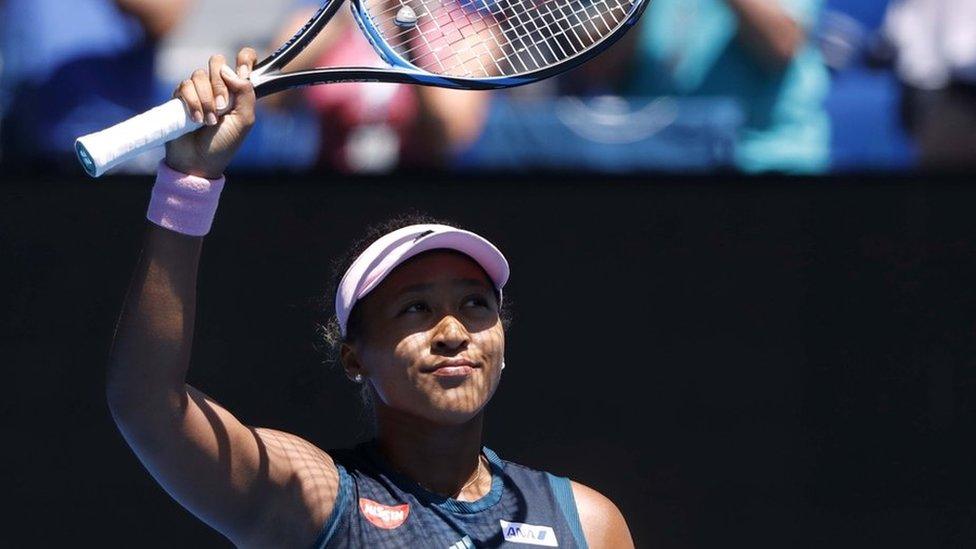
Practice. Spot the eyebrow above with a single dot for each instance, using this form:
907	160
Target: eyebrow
465	282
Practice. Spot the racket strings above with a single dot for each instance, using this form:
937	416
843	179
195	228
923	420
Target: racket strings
519	32
555	30
522	45
427	50
475	38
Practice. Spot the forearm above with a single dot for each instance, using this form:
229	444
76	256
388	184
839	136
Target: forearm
768	30
154	335
158	17
151	351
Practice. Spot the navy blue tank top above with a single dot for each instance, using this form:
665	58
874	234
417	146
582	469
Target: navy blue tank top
377	507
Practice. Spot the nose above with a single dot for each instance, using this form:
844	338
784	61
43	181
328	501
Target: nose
450	334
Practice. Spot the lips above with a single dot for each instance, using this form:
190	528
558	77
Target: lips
451	367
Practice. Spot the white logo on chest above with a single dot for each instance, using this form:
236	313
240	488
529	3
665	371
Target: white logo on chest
531	534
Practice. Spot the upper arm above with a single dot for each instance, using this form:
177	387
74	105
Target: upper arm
603	523
247	483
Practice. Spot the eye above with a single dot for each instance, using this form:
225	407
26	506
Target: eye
417	307
476	301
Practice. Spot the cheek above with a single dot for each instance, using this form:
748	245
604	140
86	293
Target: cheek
492	344
390	365
410	350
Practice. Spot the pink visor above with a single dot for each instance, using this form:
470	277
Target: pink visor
382	256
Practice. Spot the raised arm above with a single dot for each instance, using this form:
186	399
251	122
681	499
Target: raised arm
256	486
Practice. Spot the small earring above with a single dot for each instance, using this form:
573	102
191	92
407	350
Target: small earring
503	365
358	378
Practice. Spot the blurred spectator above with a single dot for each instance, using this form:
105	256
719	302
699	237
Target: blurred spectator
74	67
373	127
754	51
935	48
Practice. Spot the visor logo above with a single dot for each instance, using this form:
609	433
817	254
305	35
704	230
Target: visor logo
387	517
423	234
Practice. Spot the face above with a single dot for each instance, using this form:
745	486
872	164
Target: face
432	340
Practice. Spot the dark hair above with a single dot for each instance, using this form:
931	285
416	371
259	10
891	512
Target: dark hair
329	332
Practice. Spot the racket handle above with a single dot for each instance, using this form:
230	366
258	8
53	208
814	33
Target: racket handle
101	151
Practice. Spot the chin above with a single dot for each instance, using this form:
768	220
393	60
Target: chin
454	411
456	401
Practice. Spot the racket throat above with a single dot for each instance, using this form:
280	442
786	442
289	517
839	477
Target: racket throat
265	84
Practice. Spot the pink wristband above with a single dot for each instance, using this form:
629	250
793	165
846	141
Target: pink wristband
184	203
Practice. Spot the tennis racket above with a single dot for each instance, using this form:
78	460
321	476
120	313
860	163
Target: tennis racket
461	44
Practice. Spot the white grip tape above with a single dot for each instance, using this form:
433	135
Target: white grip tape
101	151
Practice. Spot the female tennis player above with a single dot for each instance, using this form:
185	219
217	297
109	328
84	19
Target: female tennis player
418	313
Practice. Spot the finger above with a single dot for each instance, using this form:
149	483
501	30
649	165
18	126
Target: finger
201	81
242	89
188	93
221	95
246	59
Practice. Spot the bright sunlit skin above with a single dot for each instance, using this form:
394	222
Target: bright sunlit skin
431	350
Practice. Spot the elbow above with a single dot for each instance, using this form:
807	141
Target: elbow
121	404
119	391
129	400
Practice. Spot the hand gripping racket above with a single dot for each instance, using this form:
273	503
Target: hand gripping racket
461	44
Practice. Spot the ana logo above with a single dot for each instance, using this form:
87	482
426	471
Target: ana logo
384	516
518	532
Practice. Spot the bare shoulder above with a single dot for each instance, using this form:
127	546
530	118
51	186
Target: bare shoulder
308	482
603	523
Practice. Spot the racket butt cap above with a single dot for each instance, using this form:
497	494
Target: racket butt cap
86	159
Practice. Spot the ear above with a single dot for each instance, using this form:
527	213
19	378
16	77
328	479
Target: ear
350	362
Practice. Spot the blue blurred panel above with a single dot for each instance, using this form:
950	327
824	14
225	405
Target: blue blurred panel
69	68
849	32
607	134
868	134
869	13
280	140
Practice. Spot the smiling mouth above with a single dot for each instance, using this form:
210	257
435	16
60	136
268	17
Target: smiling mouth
453	371
452	368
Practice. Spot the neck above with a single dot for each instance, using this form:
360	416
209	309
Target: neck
442	459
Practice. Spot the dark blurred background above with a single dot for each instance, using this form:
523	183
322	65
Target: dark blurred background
743	262
739	363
